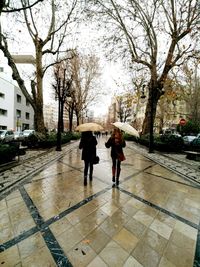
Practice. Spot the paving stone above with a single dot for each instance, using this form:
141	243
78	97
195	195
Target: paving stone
188	168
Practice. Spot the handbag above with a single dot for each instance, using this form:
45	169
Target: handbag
121	157
96	160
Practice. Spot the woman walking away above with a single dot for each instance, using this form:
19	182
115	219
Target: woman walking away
88	144
116	142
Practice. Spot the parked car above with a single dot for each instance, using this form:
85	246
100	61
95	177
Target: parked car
6	135
195	144
18	135
188	139
171	132
27	133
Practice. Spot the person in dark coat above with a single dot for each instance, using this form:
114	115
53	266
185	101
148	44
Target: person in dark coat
116	142
88	145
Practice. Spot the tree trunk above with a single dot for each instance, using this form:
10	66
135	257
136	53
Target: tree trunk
71	114
161	124
77	118
70	119
150	113
61	116
39	118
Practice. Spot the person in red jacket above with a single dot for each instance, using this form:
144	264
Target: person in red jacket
116	142
88	145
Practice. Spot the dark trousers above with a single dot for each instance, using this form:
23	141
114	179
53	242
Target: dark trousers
116	166
88	165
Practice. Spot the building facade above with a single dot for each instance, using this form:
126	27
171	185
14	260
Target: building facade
16	113
51	116
168	112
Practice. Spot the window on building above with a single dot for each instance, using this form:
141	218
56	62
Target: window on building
3	112
27	115
1	69
25	126
27	103
18	113
2	95
19	99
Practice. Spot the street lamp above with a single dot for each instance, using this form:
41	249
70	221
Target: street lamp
58	141
143	96
151	139
86	115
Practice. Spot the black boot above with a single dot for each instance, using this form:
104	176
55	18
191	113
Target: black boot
113	179
117	181
91	172
118	174
85	180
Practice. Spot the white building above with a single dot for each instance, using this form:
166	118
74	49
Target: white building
51	115
15	111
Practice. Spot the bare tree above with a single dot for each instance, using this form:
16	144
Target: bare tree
124	106
62	86
48	37
157	35
167	104
8	6
188	81
85	71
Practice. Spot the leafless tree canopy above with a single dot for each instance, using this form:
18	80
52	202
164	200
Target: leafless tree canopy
9	6
156	34
48	24
85	89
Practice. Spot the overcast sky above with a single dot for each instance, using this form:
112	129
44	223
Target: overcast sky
87	43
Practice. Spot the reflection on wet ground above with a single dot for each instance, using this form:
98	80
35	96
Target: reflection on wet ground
151	219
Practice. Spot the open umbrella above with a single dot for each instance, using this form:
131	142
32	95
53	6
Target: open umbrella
89	126
126	128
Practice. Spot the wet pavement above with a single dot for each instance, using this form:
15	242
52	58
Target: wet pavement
152	219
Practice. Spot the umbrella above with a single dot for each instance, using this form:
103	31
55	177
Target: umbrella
89	126
126	128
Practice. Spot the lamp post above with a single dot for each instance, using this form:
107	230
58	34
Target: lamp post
58	141
143	96
151	139
58	145
86	115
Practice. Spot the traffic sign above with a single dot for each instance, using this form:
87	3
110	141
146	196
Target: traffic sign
182	122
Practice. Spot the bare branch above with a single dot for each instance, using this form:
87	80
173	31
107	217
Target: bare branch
11	10
15	73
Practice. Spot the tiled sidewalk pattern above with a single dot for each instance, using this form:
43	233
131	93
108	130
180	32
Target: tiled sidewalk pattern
176	162
28	167
151	220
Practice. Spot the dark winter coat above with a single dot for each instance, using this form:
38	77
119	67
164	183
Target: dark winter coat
116	149
88	145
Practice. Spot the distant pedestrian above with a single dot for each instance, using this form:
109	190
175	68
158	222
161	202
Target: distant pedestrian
116	142
88	145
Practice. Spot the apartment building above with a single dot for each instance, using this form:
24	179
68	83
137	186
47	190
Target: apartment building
51	116
16	113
